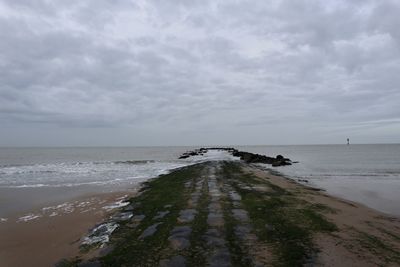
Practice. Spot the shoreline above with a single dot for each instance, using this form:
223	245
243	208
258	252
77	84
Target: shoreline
335	231
56	233
232	213
361	229
378	205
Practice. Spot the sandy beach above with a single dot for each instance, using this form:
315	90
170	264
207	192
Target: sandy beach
236	214
358	227
220	213
56	232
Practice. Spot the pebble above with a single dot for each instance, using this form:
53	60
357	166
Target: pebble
215	219
179	238
123	216
188	184
178	243
220	258
242	231
187	215
269	227
129	208
149	231
160	215
89	264
214	206
176	261
138	218
234	196
181	231
236	204
213	238
240	215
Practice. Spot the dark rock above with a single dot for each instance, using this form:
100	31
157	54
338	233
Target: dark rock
242	231
302	180
270	228
283	162
214	238
123	216
215	219
181	231
176	261
138	218
214	207
186	215
248	157
89	264
234	196
129	208
221	258
149	231
106	250
214	241
179	243
160	215
240	215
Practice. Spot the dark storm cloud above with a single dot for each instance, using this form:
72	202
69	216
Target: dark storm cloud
185	66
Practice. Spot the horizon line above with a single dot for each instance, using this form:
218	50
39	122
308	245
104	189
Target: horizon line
146	146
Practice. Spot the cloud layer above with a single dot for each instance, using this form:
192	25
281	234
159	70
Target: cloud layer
199	72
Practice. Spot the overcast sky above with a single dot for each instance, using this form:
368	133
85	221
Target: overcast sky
199	72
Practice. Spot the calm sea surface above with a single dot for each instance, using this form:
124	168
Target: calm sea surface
29	177
369	174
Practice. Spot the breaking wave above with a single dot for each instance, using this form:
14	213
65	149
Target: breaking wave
83	173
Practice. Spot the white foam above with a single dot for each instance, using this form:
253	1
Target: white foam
123	197
83	204
3	219
83	174
87	210
69	207
29	217
100	234
98	174
66	207
213	155
119	204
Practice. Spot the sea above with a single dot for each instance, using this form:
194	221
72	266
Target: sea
33	177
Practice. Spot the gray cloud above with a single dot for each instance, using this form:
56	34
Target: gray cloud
212	71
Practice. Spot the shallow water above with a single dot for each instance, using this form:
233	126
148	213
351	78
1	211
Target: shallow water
66	167
29	177
369	174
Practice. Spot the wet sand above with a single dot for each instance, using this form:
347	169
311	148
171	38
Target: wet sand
25	200
365	236
54	235
236	214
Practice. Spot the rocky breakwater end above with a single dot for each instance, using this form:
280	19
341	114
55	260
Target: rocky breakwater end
202	151
247	157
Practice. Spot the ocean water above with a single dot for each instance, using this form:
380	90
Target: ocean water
73	167
33	177
368	174
30	177
69	167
